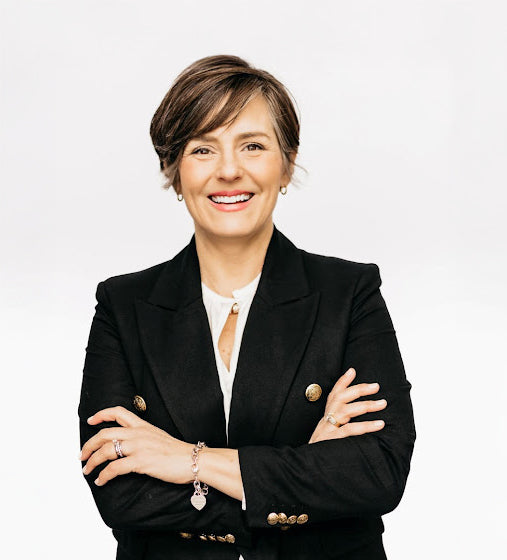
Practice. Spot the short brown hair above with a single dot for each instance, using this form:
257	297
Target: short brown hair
190	108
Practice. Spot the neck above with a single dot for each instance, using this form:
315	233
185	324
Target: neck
230	263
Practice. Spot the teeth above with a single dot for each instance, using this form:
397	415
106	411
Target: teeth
231	199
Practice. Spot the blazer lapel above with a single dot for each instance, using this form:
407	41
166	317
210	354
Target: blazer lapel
276	334
176	340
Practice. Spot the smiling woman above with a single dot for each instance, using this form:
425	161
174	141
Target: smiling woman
218	416
234	155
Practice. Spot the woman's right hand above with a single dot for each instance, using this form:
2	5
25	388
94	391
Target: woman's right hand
340	404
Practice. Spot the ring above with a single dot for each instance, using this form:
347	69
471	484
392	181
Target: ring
332	420
117	448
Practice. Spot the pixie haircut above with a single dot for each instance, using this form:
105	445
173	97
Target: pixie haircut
210	93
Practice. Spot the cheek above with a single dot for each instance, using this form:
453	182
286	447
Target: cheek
192	173
268	170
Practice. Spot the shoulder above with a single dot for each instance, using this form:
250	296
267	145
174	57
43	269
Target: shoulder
339	272
129	286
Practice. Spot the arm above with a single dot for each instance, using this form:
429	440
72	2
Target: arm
137	501
356	476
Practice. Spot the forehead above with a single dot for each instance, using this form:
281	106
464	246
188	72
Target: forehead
255	116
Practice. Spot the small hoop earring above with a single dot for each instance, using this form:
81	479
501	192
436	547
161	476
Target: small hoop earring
179	196
283	189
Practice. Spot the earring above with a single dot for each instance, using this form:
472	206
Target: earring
179	197
283	189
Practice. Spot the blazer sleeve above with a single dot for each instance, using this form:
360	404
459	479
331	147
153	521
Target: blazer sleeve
359	476
134	501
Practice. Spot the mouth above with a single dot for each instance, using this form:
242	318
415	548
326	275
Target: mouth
230	201
230	198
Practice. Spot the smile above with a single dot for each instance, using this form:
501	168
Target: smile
231	199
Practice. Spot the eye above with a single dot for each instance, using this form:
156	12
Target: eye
201	151
252	147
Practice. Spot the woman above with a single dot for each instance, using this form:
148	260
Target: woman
214	419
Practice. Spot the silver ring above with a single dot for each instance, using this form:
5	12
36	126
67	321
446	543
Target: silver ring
117	448
332	420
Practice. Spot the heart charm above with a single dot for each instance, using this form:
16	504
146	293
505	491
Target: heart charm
198	501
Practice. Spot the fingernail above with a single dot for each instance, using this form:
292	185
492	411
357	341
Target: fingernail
80	455
382	402
350	371
84	469
373	385
97	482
379	424
89	418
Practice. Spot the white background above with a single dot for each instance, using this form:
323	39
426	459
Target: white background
403	112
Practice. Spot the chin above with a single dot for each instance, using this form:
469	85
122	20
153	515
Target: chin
238	229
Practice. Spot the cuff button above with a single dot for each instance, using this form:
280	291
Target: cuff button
303	518
273	518
282	518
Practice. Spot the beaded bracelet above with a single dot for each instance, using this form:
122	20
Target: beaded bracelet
198	499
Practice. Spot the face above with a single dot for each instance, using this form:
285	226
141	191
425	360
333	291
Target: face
230	178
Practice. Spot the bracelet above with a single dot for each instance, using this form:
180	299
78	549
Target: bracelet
198	499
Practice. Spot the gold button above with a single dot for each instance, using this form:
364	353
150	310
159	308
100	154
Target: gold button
230	538
284	527
273	518
303	518
221	539
203	537
292	519
139	404
185	535
212	538
313	392
282	518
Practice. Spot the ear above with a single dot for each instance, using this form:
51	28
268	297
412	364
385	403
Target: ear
287	176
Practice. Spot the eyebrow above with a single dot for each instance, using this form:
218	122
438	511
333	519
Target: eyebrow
242	136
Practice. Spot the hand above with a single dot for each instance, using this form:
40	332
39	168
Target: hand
146	448
340	404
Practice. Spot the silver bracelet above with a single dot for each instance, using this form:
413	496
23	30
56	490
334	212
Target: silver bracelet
198	499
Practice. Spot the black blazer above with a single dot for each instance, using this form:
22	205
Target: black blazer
311	319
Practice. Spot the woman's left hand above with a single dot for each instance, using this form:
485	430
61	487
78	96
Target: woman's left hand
146	449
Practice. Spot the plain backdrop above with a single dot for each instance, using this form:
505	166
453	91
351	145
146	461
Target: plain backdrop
404	120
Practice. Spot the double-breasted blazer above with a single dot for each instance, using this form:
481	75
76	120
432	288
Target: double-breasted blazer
312	317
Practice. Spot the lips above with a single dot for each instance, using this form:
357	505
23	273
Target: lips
230	201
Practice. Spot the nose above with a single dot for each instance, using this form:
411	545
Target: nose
228	166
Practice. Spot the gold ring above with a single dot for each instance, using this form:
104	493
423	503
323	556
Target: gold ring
332	420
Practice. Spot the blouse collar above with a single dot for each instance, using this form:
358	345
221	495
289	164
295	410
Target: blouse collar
239	294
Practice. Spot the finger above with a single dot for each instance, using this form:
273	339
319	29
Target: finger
343	382
114	469
116	414
361	407
360	428
359	390
99	439
105	453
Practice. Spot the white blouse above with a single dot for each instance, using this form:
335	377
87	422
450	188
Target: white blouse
218	309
